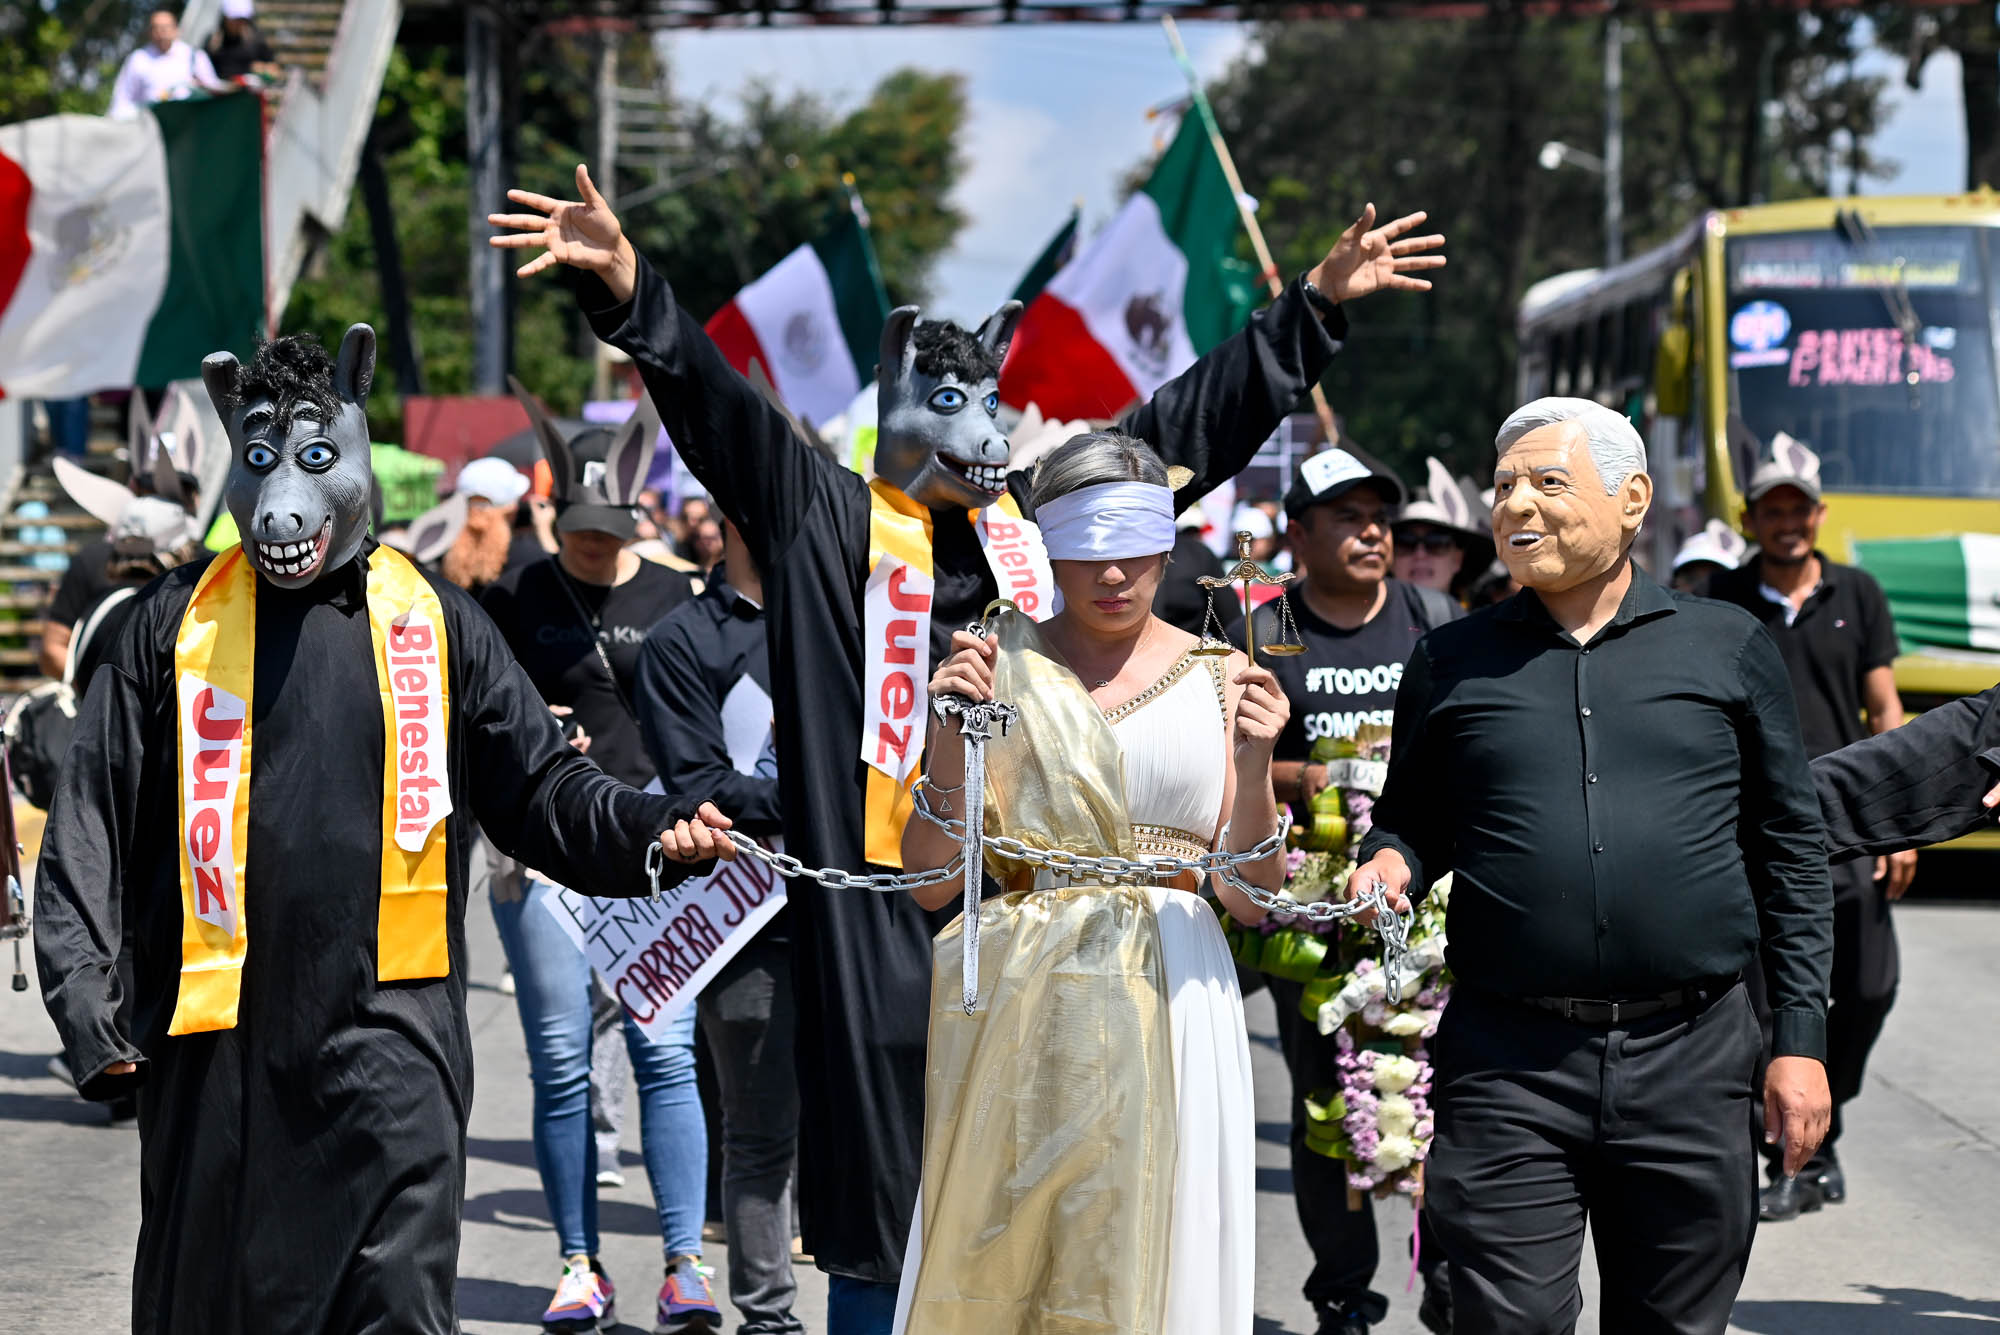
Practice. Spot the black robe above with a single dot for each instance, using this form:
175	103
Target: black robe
1914	785
862	960
303	1172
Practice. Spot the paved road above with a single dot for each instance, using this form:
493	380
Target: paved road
1918	1249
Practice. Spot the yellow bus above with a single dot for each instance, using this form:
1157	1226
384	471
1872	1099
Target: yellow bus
1866	327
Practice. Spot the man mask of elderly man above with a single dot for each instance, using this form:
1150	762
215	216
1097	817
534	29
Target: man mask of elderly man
270	793
1570	491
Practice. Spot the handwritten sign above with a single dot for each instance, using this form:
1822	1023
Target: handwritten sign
656	958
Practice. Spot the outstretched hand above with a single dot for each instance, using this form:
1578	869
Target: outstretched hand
699	839
583	234
1368	258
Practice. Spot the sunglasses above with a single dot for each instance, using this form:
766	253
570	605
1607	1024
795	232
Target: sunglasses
1435	543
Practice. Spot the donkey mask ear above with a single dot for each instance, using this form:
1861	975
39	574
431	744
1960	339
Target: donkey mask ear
138	430
1445	494
434	531
998	331
562	466
354	372
899	346
101	498
167	477
221	373
630	457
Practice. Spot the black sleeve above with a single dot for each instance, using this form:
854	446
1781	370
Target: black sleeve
539	800
738	446
1784	852
680	718
1213	417
1914	785
1409	814
80	877
1881	645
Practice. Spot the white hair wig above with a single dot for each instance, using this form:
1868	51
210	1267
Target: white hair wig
1615	445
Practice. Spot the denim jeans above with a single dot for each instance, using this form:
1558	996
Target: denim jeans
552	990
747	1016
859	1306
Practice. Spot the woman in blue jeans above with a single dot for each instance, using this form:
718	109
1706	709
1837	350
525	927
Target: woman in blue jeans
575	622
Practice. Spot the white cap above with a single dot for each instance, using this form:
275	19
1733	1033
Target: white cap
1717	542
1249	519
492	479
238	9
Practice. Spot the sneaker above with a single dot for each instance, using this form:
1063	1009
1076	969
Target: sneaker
507	983
583	1300
610	1177
687	1303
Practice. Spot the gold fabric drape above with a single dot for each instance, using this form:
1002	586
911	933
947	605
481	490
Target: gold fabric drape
1049	1126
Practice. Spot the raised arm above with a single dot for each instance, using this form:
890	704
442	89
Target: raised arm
738	445
1213	417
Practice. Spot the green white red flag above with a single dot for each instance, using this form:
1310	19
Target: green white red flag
129	249
1156	288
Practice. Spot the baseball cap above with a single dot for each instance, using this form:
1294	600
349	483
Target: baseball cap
584	509
238	9
1333	473
1790	464
493	480
1717	542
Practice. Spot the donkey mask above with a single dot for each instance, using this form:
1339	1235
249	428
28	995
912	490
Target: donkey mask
300	479
939	392
597	474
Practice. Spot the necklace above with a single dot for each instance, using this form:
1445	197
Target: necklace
1099	683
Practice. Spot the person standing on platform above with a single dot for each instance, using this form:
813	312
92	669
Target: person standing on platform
1614	776
1833	629
1359	625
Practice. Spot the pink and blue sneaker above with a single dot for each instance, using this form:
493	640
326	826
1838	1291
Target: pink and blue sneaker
687	1302
583	1302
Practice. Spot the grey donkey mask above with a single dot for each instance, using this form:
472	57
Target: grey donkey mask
939	392
300	478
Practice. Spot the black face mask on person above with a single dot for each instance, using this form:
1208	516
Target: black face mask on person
939	387
300	477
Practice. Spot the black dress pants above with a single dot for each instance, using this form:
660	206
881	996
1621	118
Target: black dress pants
1867	967
1344	1247
1642	1128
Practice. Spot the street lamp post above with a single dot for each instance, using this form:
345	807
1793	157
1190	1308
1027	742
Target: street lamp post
1611	166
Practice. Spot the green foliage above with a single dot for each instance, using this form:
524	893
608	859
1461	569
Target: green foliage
62	55
1450	116
741	195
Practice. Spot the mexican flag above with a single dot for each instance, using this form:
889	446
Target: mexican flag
813	323
1944	593
129	249
1155	289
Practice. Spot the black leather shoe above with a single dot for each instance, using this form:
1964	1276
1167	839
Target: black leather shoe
1788	1198
1435	1310
1334	1323
1832	1185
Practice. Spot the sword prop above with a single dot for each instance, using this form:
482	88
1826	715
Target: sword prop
976	721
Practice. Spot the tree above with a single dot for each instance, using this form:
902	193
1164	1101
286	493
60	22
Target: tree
1972	33
746	193
62	55
1451	116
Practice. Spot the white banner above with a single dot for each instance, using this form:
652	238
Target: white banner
656	958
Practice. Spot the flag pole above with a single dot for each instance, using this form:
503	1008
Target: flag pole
1265	263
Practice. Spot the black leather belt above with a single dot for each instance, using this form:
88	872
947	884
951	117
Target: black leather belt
1587	1010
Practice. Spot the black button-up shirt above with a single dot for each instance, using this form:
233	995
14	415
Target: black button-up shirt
1621	817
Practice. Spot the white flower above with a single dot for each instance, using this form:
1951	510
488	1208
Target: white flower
1374	1013
1403	1023
1395	1116
1395	1074
1394	1152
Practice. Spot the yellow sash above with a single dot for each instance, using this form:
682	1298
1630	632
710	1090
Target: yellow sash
214	670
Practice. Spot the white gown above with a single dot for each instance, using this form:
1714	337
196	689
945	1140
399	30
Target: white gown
1173	736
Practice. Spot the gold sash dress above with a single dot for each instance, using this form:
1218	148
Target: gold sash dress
1050	1145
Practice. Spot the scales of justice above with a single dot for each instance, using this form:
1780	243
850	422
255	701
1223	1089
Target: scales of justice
1246	572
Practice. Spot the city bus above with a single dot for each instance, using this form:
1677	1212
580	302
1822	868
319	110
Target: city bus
1866	327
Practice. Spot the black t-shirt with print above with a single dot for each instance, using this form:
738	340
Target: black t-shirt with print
1345	678
547	633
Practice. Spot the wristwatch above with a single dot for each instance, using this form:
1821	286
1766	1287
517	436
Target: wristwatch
1321	302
